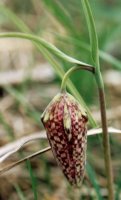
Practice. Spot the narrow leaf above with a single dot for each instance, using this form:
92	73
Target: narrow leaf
33	179
61	14
59	70
92	32
45	44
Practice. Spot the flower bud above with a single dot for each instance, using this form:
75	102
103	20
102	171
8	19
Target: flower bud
65	122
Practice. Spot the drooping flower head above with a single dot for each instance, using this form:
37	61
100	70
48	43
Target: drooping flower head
65	122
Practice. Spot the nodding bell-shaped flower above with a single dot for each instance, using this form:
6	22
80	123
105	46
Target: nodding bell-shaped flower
65	122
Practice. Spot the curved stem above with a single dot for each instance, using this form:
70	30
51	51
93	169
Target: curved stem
47	49
75	68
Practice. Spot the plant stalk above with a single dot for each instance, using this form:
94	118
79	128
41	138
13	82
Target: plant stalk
71	70
106	138
95	57
106	145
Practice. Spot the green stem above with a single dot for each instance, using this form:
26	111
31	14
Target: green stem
95	57
70	71
106	138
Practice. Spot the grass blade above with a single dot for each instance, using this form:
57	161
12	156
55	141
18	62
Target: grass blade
7	127
92	32
60	13
33	180
59	70
42	43
103	55
93	180
54	50
20	193
16	20
29	109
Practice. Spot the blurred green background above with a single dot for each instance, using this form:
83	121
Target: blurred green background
28	82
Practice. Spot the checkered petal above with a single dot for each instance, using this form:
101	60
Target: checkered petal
65	122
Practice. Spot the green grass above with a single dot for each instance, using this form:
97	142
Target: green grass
33	180
20	192
92	177
7	126
76	44
42	45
